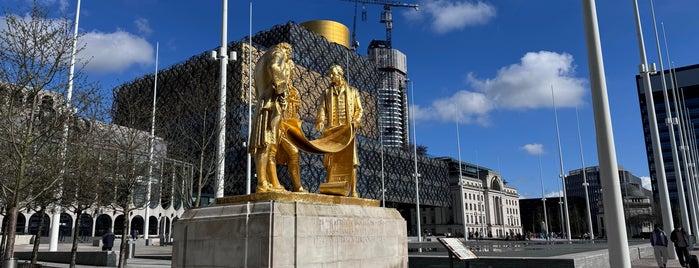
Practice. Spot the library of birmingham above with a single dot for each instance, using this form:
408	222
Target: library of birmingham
187	105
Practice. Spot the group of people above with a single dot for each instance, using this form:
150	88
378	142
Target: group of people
278	102
680	239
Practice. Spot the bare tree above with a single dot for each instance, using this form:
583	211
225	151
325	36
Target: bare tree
35	53
127	163
199	133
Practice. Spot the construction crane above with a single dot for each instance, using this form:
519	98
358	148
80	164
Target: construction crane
386	16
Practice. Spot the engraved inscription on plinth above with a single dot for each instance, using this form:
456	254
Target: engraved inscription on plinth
290	234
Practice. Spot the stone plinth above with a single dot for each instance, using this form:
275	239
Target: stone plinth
290	234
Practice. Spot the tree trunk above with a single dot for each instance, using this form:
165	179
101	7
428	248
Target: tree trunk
4	237
11	231
37	238
124	240
201	171
74	247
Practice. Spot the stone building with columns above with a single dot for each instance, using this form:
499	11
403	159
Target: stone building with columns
491	207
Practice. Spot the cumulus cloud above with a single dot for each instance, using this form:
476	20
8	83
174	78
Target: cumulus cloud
519	86
645	183
114	52
528	84
445	16
554	194
534	148
465	106
143	26
62	4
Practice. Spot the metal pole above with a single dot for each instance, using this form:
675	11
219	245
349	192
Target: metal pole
250	75
680	122
670	121
383	181
563	173
665	208
461	183
543	198
221	144
56	216
609	171
151	149
416	174
687	155
585	183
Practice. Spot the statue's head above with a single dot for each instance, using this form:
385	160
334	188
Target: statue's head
286	47
336	74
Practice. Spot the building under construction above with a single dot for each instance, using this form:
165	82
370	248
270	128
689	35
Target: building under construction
187	106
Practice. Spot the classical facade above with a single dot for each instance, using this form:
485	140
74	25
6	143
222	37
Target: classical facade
491	208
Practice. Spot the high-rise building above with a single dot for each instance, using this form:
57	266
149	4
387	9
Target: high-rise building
686	82
392	92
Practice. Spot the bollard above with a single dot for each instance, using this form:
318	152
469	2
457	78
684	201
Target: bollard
10	263
131	250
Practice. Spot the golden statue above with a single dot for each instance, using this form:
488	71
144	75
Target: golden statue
289	155
272	82
340	107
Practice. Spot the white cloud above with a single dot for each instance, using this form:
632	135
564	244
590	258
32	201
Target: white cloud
534	148
528	84
465	106
645	183
143	26
445	16
114	52
554	194
62	4
523	85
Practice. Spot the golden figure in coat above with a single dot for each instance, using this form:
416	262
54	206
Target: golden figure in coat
340	106
272	82
289	155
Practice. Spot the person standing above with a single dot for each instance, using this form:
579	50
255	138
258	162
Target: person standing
658	240
681	240
272	78
108	240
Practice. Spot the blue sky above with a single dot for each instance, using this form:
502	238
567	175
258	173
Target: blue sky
497	61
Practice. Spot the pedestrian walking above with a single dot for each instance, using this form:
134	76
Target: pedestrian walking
681	240
658	240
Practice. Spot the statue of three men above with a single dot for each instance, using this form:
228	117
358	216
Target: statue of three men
277	101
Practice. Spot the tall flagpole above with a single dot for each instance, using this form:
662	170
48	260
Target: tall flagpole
543	199
250	77
151	149
563	173
670	122
56	216
585	183
461	183
609	171
221	144
416	174
660	175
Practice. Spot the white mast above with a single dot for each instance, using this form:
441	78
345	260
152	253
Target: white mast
585	183
562	174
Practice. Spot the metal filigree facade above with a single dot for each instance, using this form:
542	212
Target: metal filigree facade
187	104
